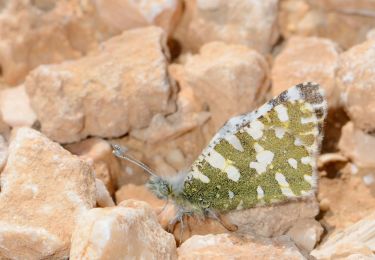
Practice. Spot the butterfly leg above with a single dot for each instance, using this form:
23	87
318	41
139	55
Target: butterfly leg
212	214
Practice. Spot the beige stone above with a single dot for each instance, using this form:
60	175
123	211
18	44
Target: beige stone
273	220
116	88
44	189
356	241
122	15
306	233
138	192
99	152
349	200
357	145
230	246
44	32
356	80
15	107
103	198
229	79
128	231
229	21
3	152
307	59
346	24
370	34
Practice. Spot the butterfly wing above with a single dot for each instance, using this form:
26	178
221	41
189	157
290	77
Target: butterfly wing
263	157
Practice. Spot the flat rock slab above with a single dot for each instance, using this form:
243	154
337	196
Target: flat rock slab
43	190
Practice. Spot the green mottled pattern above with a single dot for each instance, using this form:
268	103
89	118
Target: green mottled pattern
215	193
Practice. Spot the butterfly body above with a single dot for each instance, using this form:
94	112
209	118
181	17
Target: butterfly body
264	157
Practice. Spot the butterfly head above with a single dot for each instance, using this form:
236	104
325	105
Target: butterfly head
160	187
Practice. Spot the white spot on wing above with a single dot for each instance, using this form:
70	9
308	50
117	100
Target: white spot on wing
240	205
234	141
282	113
284	185
258	148
264	158
233	173
308	178
200	176
306	160
292	162
260	193
230	194
306	120
215	159
293	94
279	132
255	130
298	142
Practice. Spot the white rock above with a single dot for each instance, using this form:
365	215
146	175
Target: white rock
15	107
43	190
128	231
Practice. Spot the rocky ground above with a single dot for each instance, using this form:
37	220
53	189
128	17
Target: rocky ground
160	77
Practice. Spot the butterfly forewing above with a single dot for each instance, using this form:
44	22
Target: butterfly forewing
263	157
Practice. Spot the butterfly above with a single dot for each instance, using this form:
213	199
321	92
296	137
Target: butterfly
261	158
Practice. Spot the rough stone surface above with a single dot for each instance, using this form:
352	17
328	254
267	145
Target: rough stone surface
357	145
275	220
354	242
238	75
103	198
356	79
138	192
306	233
128	231
15	107
307	59
122	15
349	199
99	152
3	152
44	32
229	21
230	246
309	18
118	87
371	35
44	188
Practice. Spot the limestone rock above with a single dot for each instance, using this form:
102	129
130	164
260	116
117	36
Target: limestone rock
275	220
138	192
230	246
356	78
306	233
349	200
229	21
43	191
103	198
309	18
307	59
99	152
371	35
357	145
122	15
128	231
15	107
3	152
116	88
44	32
229	79
356	241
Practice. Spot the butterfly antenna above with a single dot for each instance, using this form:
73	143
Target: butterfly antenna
120	152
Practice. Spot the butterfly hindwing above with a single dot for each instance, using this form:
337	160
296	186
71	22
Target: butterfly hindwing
263	157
